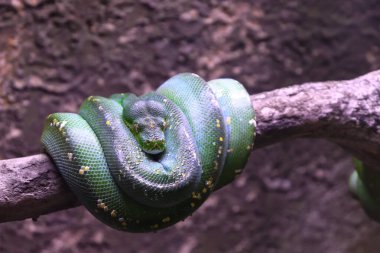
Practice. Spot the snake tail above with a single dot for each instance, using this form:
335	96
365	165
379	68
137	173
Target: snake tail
364	183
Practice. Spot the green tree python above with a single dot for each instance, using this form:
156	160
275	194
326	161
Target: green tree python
144	163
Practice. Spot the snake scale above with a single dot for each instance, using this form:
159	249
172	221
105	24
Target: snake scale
144	163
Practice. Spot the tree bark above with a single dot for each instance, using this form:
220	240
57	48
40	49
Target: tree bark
344	112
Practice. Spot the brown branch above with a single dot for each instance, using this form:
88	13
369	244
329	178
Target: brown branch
31	186
345	112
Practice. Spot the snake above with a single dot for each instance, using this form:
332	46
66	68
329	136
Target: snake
364	184
144	163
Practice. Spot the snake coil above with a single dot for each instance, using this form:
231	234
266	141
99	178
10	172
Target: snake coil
143	163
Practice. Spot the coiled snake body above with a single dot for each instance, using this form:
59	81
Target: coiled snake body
143	163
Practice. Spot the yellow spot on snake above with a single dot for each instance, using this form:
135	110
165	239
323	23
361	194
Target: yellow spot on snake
221	138
62	125
108	123
204	190
216	164
196	195
166	219
70	156
83	169
209	183
228	120
217	123
192	204
113	213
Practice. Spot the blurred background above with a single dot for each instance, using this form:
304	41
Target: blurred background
292	197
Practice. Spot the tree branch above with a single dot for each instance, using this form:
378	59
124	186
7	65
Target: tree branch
344	112
31	186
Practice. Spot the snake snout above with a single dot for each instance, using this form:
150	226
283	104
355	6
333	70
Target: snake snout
153	141
154	147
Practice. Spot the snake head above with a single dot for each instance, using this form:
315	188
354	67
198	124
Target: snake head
147	121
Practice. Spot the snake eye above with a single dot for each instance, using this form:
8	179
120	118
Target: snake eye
164	124
136	127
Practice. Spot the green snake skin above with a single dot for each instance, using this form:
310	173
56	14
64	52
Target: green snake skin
144	163
364	184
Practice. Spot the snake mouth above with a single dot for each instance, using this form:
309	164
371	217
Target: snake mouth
153	147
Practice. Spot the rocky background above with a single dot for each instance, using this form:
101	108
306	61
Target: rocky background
293	196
